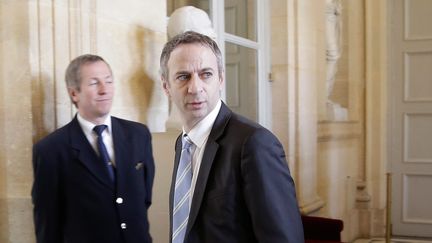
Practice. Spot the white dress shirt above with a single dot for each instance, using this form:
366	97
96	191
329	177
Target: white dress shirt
91	136
199	135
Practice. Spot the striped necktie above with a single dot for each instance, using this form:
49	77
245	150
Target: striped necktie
182	192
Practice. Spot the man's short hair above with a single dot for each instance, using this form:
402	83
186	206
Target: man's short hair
189	37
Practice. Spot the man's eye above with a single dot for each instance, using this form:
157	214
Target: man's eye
182	77
93	82
207	74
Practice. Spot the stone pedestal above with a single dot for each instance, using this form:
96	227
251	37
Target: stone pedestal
335	112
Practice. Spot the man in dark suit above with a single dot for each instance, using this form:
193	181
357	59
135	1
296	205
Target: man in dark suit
231	182
93	177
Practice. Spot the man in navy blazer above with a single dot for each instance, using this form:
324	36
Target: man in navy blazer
75	199
241	189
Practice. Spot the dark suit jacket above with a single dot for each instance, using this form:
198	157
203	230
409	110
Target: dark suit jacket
244	191
74	199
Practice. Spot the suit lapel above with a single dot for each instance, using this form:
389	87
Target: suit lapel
86	155
207	162
122	159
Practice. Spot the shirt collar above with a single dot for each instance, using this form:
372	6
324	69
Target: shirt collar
199	133
88	126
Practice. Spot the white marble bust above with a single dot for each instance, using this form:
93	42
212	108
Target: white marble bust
190	18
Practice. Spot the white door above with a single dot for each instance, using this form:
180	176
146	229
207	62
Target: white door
241	61
410	97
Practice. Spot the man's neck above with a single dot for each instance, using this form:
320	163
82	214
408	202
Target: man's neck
97	121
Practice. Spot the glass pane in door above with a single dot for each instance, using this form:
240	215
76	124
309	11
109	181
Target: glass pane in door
240	18
241	80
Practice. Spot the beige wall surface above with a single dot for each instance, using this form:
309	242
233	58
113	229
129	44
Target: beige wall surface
15	123
37	41
332	160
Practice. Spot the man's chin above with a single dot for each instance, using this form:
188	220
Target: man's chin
103	114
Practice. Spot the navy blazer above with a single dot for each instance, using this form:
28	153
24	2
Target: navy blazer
244	191
74	199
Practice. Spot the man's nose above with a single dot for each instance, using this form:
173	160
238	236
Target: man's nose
195	84
102	88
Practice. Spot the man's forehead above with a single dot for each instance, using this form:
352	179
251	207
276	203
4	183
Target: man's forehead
194	45
192	53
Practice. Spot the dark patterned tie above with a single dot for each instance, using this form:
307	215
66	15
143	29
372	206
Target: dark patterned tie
103	153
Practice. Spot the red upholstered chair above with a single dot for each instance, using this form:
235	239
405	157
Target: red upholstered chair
322	230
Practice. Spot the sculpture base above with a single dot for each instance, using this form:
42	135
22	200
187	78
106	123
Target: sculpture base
335	112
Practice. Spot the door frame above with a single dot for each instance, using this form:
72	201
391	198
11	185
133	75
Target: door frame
217	14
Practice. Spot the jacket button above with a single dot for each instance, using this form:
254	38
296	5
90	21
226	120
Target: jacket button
119	200
123	225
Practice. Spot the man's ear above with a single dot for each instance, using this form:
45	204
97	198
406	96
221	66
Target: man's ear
73	94
165	86
221	80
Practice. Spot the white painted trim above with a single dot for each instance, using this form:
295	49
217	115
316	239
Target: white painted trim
217	10
241	41
218	19
264	90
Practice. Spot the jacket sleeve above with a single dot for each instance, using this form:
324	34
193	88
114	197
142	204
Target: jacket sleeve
269	190
46	197
149	170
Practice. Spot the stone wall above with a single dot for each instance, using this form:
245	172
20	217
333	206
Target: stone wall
37	41
338	165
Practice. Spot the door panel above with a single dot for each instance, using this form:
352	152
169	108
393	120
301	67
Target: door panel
240	18
411	117
241	76
241	80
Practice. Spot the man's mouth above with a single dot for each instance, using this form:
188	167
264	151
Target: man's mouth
196	104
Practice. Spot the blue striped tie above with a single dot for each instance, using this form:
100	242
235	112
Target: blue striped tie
182	192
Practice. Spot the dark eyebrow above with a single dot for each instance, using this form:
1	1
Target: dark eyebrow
207	69
182	73
98	79
93	78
